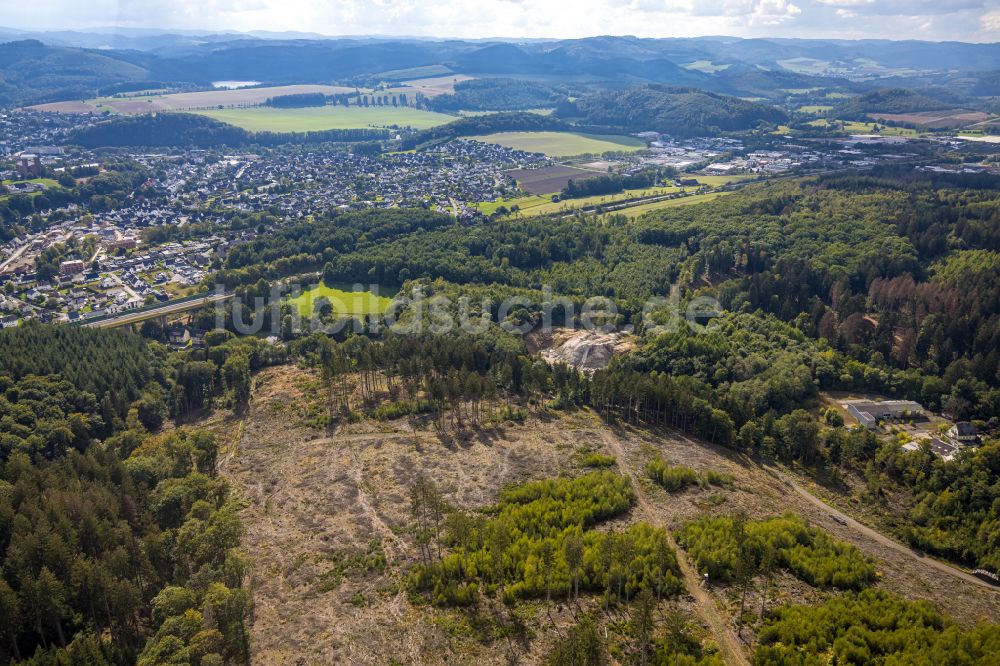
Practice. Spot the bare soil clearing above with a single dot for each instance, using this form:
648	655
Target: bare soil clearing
946	119
319	504
584	350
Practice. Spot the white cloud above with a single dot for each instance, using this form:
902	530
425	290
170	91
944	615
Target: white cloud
991	21
894	19
773	12
845	3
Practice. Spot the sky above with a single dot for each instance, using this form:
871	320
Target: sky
937	20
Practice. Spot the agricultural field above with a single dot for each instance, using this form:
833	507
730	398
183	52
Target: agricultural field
858	127
563	144
984	138
636	211
805	65
410	73
707	66
429	86
935	119
527	204
542	204
549	180
183	101
814	108
315	119
343	301
583	202
719	181
476	114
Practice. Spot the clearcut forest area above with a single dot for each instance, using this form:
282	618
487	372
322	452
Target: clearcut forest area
608	351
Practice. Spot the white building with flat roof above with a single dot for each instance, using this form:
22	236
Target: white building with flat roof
869	412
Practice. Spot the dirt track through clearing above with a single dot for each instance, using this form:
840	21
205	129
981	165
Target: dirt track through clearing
706	607
844	519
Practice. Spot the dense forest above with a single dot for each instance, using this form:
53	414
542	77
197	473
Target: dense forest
838	283
97	361
296	100
118	542
609	184
869	264
574	257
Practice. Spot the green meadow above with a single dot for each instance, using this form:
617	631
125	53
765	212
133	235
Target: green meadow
343	301
858	127
542	204
815	108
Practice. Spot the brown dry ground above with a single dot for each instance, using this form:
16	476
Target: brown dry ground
548	179
313	498
431	87
948	119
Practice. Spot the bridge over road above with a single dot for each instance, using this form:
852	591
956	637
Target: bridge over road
157	311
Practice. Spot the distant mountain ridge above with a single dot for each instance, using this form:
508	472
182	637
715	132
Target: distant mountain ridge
764	68
32	72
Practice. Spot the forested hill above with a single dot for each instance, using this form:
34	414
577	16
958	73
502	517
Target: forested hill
31	72
675	111
890	100
887	268
117	542
189	130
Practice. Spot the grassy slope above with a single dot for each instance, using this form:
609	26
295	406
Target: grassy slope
857	127
543	204
343	301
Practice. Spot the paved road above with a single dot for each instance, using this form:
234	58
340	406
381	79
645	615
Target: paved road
128	290
845	519
14	257
730	645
